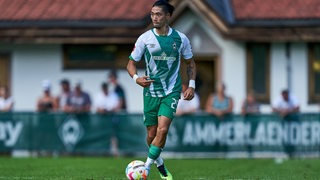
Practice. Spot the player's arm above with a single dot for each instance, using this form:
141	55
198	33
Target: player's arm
191	73
143	81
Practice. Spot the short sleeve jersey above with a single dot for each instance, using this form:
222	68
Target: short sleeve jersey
162	55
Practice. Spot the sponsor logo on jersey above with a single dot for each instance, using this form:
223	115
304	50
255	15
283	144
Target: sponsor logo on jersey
164	57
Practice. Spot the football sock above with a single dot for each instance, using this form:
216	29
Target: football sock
159	161
154	152
148	163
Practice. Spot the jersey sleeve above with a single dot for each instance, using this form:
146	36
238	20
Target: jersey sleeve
138	50
186	50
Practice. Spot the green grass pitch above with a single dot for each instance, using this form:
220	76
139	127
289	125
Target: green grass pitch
104	168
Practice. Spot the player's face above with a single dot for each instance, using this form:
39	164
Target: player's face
159	17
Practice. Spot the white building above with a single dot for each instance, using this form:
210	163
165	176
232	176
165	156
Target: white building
248	50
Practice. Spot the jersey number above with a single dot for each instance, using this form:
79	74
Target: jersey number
174	103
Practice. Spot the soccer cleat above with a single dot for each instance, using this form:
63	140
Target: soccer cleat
164	173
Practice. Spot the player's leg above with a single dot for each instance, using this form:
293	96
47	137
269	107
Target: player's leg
162	131
159	141
156	146
151	133
166	115
151	107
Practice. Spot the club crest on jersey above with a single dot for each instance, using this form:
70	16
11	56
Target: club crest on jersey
174	46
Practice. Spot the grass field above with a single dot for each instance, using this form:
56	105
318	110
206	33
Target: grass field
187	169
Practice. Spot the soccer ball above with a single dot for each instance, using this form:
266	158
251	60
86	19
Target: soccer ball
136	170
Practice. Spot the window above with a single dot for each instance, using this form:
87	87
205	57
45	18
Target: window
258	71
314	73
95	56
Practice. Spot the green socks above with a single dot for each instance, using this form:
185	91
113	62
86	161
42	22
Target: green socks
154	152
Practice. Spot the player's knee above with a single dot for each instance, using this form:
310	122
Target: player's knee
162	130
150	137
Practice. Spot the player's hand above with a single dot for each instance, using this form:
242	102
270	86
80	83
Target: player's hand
144	81
188	94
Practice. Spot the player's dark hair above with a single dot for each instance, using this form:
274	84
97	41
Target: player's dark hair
165	5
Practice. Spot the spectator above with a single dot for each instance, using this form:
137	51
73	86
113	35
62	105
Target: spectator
250	105
107	101
64	95
117	88
286	104
46	102
219	104
6	101
79	101
185	106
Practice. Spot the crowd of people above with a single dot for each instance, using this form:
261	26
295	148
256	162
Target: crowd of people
74	100
221	104
112	99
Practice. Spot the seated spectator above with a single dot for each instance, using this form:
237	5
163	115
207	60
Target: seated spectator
79	101
65	93
185	106
107	101
46	102
6	101
250	105
117	88
286	104
219	104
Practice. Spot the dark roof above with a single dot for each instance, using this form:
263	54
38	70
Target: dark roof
268	13
223	9
276	9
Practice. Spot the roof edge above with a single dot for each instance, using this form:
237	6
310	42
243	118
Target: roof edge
73	23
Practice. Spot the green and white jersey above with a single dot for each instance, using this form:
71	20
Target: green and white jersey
162	56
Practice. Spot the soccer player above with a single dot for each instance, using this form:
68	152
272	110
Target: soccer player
162	47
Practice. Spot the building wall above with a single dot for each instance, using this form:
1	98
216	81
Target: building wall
233	65
299	73
31	64
231	56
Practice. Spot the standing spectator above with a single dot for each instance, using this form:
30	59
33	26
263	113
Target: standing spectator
187	106
64	95
286	104
107	101
79	101
250	105
117	88
6	101
219	104
46	102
